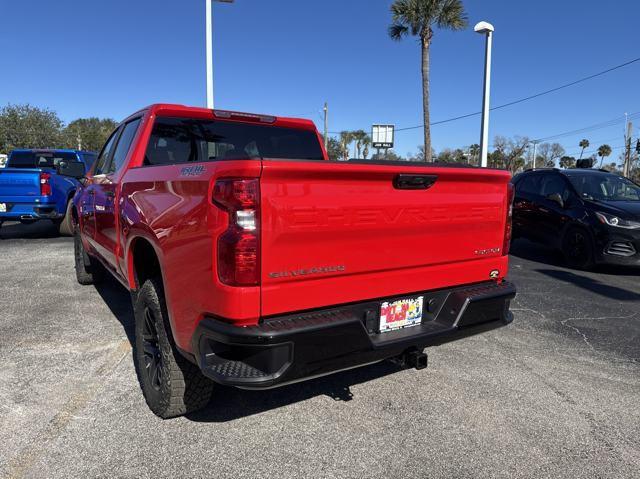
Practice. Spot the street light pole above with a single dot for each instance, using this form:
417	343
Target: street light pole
487	29
209	49
209	15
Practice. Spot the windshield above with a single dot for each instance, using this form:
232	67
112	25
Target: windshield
605	188
40	159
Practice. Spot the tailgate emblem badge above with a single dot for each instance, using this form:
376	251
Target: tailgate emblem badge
192	170
485	252
306	272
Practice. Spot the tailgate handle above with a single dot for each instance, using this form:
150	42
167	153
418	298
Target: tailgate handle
414	182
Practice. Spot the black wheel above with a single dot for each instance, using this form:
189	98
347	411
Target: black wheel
65	225
577	248
88	270
171	385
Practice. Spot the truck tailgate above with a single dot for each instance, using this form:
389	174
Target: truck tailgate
17	184
334	233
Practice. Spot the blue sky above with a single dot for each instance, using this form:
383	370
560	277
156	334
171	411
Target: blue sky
286	57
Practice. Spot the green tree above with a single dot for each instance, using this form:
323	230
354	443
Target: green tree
334	149
366	143
389	155
25	126
474	151
88	133
451	156
603	152
567	162
346	137
418	18
584	143
359	136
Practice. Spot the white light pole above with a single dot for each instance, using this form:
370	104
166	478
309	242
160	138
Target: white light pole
487	29
209	22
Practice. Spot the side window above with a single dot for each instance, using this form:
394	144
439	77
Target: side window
555	184
105	154
172	141
529	186
124	144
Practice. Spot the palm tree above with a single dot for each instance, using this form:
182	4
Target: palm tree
359	136
417	18
583	144
366	143
346	137
474	151
603	151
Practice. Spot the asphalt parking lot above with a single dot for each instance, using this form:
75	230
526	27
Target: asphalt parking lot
555	394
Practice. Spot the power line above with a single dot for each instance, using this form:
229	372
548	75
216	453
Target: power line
521	100
597	126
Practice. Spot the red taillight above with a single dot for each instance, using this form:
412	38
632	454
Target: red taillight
239	245
509	226
45	184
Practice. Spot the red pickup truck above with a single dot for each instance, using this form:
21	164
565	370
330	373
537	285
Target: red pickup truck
254	261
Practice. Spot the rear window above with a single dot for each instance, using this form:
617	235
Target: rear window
44	159
177	140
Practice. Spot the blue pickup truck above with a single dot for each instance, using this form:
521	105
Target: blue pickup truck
39	184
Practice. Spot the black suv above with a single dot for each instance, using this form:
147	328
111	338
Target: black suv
592	216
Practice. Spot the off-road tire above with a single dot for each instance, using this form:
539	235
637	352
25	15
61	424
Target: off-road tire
88	270
171	385
65	225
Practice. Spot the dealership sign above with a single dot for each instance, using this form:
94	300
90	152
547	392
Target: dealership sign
382	136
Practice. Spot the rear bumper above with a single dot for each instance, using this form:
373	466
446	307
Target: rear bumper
29	211
296	347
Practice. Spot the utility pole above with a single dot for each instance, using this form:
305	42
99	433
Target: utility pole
535	150
626	170
326	125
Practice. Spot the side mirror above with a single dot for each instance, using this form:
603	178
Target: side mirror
555	197
73	169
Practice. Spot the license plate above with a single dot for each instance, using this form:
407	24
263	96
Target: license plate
3	207
399	314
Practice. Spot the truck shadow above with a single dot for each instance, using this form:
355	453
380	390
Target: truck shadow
229	403
117	298
591	285
37	230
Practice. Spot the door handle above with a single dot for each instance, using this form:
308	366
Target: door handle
414	182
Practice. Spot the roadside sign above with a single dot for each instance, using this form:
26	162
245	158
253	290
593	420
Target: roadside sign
382	136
